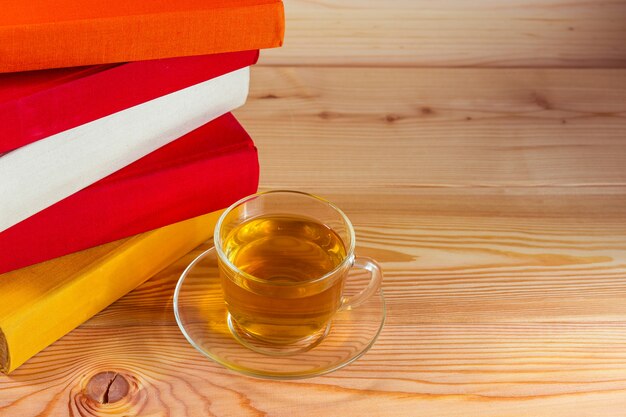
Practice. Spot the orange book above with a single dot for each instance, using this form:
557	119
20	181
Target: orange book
63	33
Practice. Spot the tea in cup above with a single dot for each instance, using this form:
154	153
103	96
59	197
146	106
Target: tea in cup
284	257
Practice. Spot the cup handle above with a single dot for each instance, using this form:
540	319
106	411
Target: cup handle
376	279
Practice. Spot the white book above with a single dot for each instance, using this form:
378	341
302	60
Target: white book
44	172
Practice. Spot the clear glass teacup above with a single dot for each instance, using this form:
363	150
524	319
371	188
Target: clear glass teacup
284	257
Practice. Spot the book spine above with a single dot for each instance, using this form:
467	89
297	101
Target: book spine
140	37
82	95
41	314
41	174
111	210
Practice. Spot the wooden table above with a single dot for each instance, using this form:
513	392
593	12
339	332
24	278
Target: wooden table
480	150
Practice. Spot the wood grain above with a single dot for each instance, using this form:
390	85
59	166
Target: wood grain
519	313
406	128
494	198
458	33
502	238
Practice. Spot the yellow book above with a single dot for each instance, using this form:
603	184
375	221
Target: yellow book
41	303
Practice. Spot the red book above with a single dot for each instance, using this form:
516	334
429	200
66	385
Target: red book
38	104
203	171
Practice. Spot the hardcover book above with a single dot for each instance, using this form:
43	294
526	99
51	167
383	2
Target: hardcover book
43	302
205	170
45	172
66	33
38	104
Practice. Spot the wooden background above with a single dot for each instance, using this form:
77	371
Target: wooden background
480	149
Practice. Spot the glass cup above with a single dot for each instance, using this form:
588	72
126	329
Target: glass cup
283	258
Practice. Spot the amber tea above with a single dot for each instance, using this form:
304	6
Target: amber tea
282	256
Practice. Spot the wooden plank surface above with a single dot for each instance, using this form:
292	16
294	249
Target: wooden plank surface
486	33
502	238
494	198
407	127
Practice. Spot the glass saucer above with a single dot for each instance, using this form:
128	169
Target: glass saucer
202	317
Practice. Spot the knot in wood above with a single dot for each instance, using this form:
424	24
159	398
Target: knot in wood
107	387
113	392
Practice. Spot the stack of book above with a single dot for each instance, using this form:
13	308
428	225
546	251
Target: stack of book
117	148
